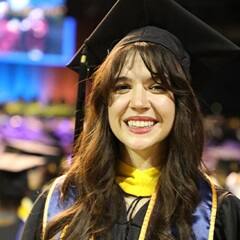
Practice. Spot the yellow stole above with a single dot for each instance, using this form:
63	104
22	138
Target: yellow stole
135	181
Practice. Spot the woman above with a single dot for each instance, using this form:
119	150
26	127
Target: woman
137	171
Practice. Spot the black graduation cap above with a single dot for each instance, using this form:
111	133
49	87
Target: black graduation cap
52	155
31	148
16	163
207	48
14	182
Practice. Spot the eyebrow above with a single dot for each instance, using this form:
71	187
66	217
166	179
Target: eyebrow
124	79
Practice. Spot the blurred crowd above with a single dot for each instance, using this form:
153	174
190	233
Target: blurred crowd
34	148
24	26
222	150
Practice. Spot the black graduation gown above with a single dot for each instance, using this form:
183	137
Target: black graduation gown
227	225
12	231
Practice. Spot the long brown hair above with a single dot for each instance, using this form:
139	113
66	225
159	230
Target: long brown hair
93	171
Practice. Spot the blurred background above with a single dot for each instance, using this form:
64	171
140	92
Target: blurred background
38	95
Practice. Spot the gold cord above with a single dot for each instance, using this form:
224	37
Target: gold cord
213	210
147	217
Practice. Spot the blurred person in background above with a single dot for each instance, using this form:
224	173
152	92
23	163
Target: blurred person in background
37	177
9	29
14	188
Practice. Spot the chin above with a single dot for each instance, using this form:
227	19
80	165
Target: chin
140	146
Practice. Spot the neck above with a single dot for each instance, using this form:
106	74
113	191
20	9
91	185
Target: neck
143	159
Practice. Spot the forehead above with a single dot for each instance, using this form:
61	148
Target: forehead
134	66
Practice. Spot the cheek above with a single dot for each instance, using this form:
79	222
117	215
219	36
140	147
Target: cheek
117	106
111	116
166	108
116	110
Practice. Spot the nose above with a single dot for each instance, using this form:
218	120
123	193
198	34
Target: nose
139	99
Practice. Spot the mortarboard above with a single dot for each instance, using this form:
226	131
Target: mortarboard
207	48
14	178
31	148
15	163
53	155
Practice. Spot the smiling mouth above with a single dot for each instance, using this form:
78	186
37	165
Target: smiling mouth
140	124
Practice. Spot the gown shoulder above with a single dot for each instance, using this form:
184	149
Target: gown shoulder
33	226
227	226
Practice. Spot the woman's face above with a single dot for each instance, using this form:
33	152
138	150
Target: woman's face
140	112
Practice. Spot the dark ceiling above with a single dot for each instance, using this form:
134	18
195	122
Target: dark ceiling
223	15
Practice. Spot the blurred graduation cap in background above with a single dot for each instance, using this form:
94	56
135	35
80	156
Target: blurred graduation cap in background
207	48
14	184
16	163
32	161
52	155
32	147
14	189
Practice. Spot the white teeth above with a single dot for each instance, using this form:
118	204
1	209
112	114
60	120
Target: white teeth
132	123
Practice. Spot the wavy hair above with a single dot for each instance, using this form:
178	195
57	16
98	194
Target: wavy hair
96	151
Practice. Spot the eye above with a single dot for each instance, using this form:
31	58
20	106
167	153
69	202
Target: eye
121	88
157	88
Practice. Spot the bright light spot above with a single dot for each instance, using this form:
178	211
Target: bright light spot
25	25
35	54
3	9
13	25
16	121
36	14
18	5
